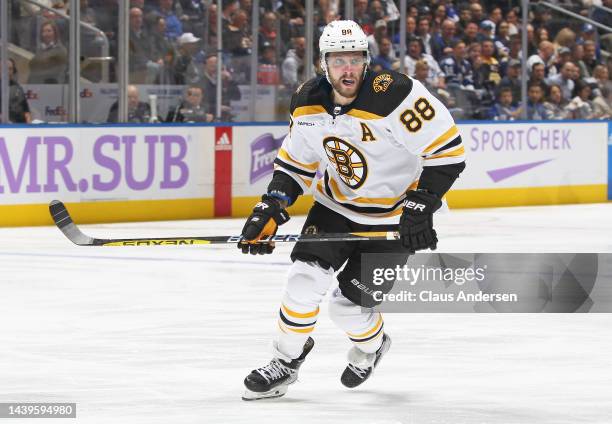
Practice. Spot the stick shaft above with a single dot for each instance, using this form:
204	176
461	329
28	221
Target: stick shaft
64	222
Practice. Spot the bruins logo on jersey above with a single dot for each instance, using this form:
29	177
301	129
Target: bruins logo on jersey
349	162
382	82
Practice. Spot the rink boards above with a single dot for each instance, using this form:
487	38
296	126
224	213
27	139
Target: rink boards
161	172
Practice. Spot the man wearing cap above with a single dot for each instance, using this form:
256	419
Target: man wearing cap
487	30
185	69
374	40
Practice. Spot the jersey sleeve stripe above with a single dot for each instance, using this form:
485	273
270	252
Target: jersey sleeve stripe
448	154
308	110
443	139
294	169
284	155
456	141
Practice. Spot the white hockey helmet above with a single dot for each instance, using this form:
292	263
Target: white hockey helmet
342	36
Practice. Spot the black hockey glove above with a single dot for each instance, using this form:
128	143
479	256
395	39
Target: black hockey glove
264	221
416	223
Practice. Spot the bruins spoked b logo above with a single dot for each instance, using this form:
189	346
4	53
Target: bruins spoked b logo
349	162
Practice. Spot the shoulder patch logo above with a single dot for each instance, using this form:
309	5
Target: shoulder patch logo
382	83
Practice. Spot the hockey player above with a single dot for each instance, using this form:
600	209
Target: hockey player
389	151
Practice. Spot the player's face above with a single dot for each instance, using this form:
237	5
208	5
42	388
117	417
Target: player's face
346	72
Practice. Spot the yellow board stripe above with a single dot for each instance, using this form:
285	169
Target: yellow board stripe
443	139
372	331
110	211
527	196
308	110
298	314
283	154
362	114
453	153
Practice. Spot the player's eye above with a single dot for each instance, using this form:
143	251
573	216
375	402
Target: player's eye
339	62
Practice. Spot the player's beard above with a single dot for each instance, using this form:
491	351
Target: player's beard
347	90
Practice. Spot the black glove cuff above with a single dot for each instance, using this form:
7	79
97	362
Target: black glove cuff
421	202
275	210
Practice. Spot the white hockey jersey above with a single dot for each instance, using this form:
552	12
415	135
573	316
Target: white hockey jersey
370	152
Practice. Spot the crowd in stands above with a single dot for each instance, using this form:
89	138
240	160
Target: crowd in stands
466	52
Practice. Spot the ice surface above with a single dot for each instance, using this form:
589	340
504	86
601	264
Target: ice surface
167	334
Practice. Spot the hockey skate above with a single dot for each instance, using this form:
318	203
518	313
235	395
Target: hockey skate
361	365
272	380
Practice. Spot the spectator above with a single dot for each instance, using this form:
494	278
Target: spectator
236	37
577	56
545	54
268	72
535	107
19	109
167	73
267	30
476	12
601	78
465	17
362	17
185	69
193	15
443	43
601	105
470	35
423	32
503	109
590	57
374	40
457	69
229	88
377	11
556	104
538	74
513	22
384	60
502	39
159	43
139	48
490	63
435	78
563	80
410	31
565	38
512	80
174	28
293	66
487	30
192	108
581	106
138	112
564	55
49	64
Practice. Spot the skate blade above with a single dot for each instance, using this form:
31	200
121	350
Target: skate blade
271	394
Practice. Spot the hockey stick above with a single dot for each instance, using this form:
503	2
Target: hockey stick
64	222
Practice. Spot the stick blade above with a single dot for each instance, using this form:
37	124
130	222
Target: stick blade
64	222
